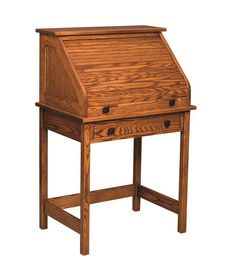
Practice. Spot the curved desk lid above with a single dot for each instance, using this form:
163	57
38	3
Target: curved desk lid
111	72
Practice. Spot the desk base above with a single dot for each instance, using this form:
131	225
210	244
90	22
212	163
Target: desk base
88	133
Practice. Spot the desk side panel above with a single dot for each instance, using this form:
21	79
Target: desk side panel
59	86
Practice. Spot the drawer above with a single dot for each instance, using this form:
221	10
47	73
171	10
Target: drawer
115	108
126	128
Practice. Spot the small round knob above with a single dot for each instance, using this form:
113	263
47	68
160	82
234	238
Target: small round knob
172	102
167	123
111	131
106	109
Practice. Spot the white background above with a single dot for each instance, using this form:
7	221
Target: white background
201	34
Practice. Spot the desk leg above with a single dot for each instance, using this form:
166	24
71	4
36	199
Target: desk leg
137	172
85	189
43	186
183	179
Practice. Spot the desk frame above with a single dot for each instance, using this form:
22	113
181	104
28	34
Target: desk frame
75	128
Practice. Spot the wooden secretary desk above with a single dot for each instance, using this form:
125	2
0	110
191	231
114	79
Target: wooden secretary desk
108	83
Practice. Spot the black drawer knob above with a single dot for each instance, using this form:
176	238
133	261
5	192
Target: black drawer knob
172	102
111	131
106	109
167	123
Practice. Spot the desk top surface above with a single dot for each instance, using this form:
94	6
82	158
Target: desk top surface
72	31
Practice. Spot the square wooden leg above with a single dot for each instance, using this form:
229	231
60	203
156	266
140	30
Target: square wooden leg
43	161
183	180
85	189
137	172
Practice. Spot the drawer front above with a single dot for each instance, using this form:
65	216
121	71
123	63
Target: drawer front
115	109
120	129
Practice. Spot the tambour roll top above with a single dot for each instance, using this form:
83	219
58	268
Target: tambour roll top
110	72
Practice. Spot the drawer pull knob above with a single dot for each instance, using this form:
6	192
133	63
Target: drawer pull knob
167	123
111	131
106	109
172	102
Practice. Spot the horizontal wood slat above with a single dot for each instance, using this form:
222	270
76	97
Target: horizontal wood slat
158	198
128	77
63	217
73	200
128	42
109	36
114	67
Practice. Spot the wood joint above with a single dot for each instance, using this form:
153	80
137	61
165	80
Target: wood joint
62	216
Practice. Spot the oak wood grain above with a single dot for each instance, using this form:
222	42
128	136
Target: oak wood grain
137	172
42	75
140	109
112	117
62	88
109	36
70	201
130	69
63	217
85	189
183	179
58	111
158	198
108	70
69	127
177	63
135	127
43	169
58	83
70	31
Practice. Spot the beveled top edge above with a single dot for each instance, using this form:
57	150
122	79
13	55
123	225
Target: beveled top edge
77	31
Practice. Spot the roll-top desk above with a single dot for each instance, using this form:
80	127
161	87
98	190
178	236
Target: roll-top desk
107	83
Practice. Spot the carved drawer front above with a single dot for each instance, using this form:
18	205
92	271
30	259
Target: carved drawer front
112	130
